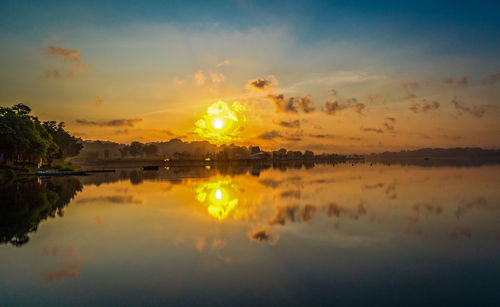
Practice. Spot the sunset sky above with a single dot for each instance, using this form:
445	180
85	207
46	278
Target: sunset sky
332	76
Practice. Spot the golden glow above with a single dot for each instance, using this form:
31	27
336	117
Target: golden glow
221	123
218	124
219	196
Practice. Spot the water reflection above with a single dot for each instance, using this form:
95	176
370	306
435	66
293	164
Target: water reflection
24	205
219	196
225	233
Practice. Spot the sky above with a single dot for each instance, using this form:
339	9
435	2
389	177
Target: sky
330	76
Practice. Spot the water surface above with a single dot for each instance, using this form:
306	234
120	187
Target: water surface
343	234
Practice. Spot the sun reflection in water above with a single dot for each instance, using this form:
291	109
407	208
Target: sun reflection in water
219	196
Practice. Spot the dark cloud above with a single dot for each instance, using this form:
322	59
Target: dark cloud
322	136
271	183
475	110
358	107
111	123
115	199
335	210
263	235
424	106
269	135
294	139
461	82
284	213
372	130
291	193
260	84
307	213
492	79
285	105
333	106
392	119
290	124
306	105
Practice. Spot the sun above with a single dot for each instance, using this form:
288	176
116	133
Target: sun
218	124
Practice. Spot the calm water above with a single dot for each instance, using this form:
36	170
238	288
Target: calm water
345	235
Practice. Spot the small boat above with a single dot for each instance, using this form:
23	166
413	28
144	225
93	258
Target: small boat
151	168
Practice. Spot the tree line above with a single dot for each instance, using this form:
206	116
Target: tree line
24	139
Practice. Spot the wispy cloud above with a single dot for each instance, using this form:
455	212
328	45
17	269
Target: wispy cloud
492	79
290	124
372	130
424	106
111	123
270	135
460	82
461	107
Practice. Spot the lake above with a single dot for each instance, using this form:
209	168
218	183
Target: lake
235	235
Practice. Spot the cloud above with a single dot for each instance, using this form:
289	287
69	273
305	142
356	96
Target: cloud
111	123
225	62
259	84
475	110
306	105
333	106
372	130
53	74
461	232
217	77
476	203
335	210
271	183
291	193
322	136
199	78
99	101
373	186
71	55
307	213
424	106
407	86
199	244
71	269
492	79
290	124
462	82
269	135
282	104
263	235
284	213
389	123
115	199
358	107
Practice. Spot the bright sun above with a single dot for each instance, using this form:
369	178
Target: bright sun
218	124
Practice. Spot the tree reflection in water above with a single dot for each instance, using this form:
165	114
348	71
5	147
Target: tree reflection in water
24	205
